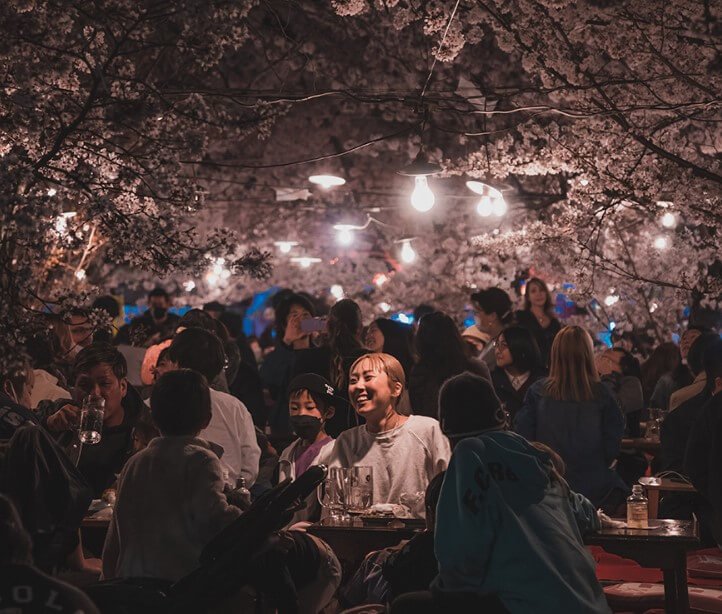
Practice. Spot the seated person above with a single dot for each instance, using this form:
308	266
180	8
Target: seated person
24	589
170	500
507	536
231	425
16	386
310	399
405	452
98	369
409	566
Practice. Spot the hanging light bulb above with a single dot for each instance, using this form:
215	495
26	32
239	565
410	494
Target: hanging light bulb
80	274
189	285
380	279
385	307
52	192
305	261
661	243
344	235
669	220
485	207
285	246
408	255
337	291
327	181
422	198
498	206
611	300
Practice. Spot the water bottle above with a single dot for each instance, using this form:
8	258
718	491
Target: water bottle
637	508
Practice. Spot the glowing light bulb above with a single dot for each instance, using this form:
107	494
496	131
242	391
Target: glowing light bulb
498	206
337	291
485	207
380	279
80	274
52	192
189	285
408	255
610	300
422	198
211	278
661	243
344	234
669	220
385	307
305	261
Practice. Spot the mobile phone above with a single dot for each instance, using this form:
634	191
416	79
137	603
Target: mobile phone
313	325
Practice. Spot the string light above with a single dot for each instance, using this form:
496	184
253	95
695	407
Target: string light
52	192
80	274
669	220
285	246
380	279
610	300
327	181
189	285
337	292
661	243
499	207
385	307
484	207
408	255
344	234
61	222
422	198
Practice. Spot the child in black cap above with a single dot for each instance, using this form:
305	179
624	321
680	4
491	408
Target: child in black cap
310	406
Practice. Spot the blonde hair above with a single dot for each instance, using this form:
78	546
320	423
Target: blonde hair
386	363
572	374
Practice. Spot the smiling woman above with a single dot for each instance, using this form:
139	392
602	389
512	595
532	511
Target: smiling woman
405	452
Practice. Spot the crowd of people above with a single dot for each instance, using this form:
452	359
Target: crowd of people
505	436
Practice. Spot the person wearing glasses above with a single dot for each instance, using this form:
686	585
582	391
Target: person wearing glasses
518	366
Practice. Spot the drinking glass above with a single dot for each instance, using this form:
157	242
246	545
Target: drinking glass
360	489
654	421
331	495
91	419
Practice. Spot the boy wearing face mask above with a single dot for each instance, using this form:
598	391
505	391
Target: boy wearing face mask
310	399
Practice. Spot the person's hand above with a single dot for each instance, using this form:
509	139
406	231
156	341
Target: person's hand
66	418
300	526
293	330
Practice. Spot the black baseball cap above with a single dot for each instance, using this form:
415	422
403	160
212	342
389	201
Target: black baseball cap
313	383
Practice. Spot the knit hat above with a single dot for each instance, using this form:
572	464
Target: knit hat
313	383
469	406
474	332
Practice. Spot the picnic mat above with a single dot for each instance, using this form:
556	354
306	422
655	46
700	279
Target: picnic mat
613	568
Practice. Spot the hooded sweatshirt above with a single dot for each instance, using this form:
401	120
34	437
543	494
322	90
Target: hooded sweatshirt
504	528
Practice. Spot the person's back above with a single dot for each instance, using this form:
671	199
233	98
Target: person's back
503	528
170	500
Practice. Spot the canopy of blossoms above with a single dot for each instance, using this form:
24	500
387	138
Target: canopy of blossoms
144	140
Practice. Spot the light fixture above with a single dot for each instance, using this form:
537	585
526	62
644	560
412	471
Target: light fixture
669	220
52	192
61	222
80	274
337	291
305	261
492	200
189	285
285	246
327	181
408	255
344	234
498	206
420	167
422	198
661	243
477	187
610	300
385	307
380	279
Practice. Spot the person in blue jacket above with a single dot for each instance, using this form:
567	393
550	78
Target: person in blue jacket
508	528
578	416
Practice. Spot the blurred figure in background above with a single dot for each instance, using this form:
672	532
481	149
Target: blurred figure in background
538	316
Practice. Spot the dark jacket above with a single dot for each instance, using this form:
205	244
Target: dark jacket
544	336
512	399
628	391
425	382
102	462
676	429
703	462
276	373
587	435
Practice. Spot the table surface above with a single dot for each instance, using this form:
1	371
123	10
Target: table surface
681	533
665	484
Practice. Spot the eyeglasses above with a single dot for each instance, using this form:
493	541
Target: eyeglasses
501	345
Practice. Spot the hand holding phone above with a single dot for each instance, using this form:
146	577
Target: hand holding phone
313	325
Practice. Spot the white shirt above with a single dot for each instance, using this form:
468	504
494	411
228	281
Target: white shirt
231	427
404	459
517	381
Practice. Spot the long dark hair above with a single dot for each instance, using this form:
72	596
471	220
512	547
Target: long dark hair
523	348
398	341
344	326
440	346
548	306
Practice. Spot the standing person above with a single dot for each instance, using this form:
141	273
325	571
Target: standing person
405	452
662	374
493	311
538	316
310	406
231	425
333	359
518	366
154	324
385	335
577	416
441	354
278	365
